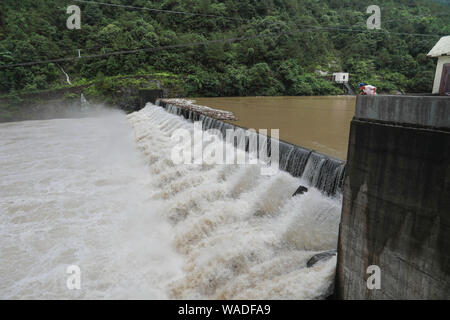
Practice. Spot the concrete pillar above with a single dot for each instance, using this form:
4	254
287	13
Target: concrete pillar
396	200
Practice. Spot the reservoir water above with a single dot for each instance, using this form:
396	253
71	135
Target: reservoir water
316	123
102	193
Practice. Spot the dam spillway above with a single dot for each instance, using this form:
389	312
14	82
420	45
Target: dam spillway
316	169
242	233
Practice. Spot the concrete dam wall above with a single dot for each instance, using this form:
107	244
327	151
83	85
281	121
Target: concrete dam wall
396	200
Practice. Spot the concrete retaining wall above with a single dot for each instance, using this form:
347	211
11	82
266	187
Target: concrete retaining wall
421	111
396	200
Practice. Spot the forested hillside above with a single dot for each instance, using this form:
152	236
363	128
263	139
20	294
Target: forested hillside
284	43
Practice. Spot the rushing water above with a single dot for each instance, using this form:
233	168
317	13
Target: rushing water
102	193
316	123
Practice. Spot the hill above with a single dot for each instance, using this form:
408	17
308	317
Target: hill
281	44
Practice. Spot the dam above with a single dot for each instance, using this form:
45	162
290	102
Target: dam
402	230
101	192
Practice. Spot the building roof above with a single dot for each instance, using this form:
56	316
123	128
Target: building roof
442	48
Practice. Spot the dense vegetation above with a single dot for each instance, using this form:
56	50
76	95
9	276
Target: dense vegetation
280	58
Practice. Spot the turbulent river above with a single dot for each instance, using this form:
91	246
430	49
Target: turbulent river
102	193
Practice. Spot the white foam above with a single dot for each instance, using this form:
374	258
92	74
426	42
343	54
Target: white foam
79	192
76	192
242	234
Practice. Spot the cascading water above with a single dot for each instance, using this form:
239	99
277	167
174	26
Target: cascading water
77	192
317	170
241	233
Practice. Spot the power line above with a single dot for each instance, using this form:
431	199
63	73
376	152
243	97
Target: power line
337	28
175	46
374	31
158	10
149	9
327	28
240	19
422	16
334	27
193	44
182	45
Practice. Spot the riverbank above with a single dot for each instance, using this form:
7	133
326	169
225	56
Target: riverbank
117	92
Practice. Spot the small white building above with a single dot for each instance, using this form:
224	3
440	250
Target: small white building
340	77
442	78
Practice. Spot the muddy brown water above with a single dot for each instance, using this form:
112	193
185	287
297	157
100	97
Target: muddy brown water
317	123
